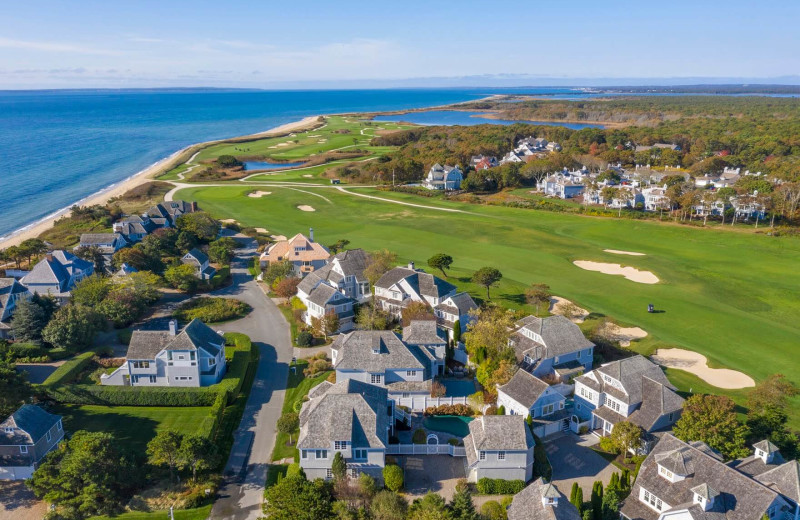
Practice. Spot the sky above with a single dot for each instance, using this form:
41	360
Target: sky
308	43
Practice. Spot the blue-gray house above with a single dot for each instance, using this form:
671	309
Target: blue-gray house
552	347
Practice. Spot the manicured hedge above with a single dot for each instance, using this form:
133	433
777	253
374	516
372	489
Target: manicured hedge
497	486
450	409
67	372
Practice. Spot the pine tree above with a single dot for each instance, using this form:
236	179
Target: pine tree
461	506
576	497
456	332
339	466
573	492
597	500
29	320
614	482
625	481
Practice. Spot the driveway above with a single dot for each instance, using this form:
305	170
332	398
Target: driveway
19	503
437	473
38	372
573	460
246	471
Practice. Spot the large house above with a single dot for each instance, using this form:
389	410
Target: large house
499	447
26	436
193	357
336	287
633	389
56	274
551	346
527	395
445	178
683	481
381	358
483	162
541	501
562	186
454	309
11	292
305	255
351	418
199	261
166	213
134	228
107	243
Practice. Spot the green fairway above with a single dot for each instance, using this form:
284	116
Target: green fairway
132	426
730	296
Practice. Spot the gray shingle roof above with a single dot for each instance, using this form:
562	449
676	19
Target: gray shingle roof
94	239
524	388
528	504
56	269
423	332
9	287
146	344
629	372
323	294
740	497
785	479
657	400
560	335
198	255
30	424
500	432
346	411
355	352
352	263
462	303
420	281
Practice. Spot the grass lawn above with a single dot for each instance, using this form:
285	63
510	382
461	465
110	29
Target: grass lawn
726	295
132	426
297	387
201	513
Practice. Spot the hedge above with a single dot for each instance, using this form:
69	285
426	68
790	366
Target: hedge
67	372
498	486
450	409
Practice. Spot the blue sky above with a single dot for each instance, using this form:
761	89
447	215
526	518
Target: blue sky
270	43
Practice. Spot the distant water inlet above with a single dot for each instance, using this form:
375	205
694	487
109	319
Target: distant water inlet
264	165
463	118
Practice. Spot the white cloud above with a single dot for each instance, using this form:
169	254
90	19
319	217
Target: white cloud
51	47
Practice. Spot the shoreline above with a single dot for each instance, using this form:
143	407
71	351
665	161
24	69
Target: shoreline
34	229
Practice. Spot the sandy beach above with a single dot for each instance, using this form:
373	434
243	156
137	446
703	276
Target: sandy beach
101	197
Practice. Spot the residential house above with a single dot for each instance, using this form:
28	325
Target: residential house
716	208
134	228
56	274
748	206
514	157
305	255
199	261
499	447
447	178
166	213
194	356
768	467
541	501
11	293
381	358
125	269
483	162
452	309
562	186
350	417
26	436
655	198
663	146
425	336
684	481
633	389
336	287
402	285
527	395
552	346
107	243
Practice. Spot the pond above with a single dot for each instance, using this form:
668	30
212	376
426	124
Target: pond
264	165
452	424
453	117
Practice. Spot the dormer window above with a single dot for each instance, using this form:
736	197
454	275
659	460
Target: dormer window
376	350
665	473
8	429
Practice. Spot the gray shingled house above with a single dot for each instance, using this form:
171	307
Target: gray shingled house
499	447
551	346
166	213
107	243
681	481
193	357
26	436
349	417
11	292
541	501
199	260
526	394
454	308
56	274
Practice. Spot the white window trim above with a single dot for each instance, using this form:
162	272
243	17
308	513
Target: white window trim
501	455
23	449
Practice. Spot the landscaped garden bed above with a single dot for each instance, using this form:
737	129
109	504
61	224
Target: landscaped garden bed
212	310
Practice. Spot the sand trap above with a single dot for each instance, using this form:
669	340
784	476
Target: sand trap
618	252
317	135
624	334
273	146
564	307
261	230
630	273
322	141
278	238
282	144
697	364
308	176
259	194
228	221
305	208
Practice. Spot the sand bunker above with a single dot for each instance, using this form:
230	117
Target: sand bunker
305	208
278	238
630	273
282	144
228	221
322	141
618	252
697	364
273	146
624	334
317	135
308	176
259	194
564	307
261	230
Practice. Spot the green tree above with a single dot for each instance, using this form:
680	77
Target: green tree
610	505
430	507
388	505
367	485
164	450
441	261
626	436
197	453
774	391
393	477
370	317
138	258
91	290
87	476
14	388
461	506
288	424
182	277
538	295
378	264
31	248
94	255
222	250
278	271
712	419
339	245
576	496
457	332
199	224
492	510
339	466
228	161
597	500
295	498
73	327
30	318
487	277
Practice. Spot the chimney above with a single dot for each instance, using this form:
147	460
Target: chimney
49	256
311	234
173	327
194	205
411	265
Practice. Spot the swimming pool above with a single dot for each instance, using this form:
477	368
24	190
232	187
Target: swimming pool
452	424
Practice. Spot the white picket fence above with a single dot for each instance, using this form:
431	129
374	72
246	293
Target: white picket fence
418	403
426	449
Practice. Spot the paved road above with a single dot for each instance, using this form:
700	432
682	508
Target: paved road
573	460
240	498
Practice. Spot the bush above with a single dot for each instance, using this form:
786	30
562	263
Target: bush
15	351
393	477
608	445
304	339
501	410
419	436
212	310
492	510
450	409
498	486
70	370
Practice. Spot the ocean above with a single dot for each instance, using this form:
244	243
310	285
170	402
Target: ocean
57	147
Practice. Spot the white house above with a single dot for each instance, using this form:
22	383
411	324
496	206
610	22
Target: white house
748	206
56	274
551	346
527	395
402	285
454	309
541	500
499	447
199	260
193	357
26	436
445	178
655	198
561	185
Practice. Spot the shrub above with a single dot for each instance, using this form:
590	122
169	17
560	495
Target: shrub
450	409
317	366
70	370
304	339
501	410
608	445
393	477
419	436
492	510
490	410
497	486
212	310
14	351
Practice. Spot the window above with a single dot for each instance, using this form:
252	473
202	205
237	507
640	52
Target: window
354	473
141	364
548	409
304	454
191	356
49	436
607	379
152	379
59	426
181	356
652	500
411	373
329	473
670	417
321	454
614	405
555	361
23	449
360	454
135	379
375	379
339	445
376	351
405	395
501	455
8	429
212	362
771	511
664	471
483	455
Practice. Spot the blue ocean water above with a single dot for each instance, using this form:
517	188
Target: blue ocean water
450	117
